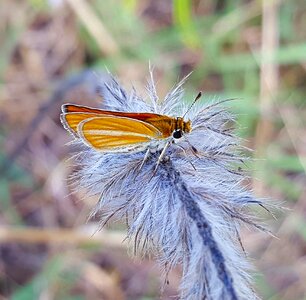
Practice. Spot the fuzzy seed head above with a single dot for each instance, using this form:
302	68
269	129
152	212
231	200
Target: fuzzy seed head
190	209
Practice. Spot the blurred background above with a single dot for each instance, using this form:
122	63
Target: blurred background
51	52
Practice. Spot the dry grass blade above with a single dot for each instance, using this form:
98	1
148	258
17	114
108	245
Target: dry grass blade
231	21
94	26
102	281
59	236
269	79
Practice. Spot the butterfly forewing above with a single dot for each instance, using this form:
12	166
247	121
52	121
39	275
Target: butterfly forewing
72	120
114	130
111	133
70	108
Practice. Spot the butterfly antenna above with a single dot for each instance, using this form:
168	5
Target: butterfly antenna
192	104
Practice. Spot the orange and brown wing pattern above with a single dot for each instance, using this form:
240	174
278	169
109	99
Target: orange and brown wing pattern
71	108
71	121
113	134
73	115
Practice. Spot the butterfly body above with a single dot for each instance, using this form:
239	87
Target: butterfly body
115	131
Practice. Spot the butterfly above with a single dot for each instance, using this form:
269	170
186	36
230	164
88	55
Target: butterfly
117	131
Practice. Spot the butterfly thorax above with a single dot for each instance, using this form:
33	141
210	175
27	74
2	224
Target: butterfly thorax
182	125
169	126
180	128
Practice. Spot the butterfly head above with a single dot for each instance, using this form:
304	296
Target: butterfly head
181	128
181	125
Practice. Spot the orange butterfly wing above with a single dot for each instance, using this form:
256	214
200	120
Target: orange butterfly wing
73	115
112	133
71	108
71	121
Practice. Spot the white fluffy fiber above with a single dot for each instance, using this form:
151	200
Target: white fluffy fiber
190	188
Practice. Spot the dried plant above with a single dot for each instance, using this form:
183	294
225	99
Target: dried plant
190	210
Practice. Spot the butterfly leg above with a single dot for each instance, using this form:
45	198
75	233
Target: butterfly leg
161	156
193	149
185	153
144	159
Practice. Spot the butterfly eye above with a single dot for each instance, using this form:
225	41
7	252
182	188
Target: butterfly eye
177	134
